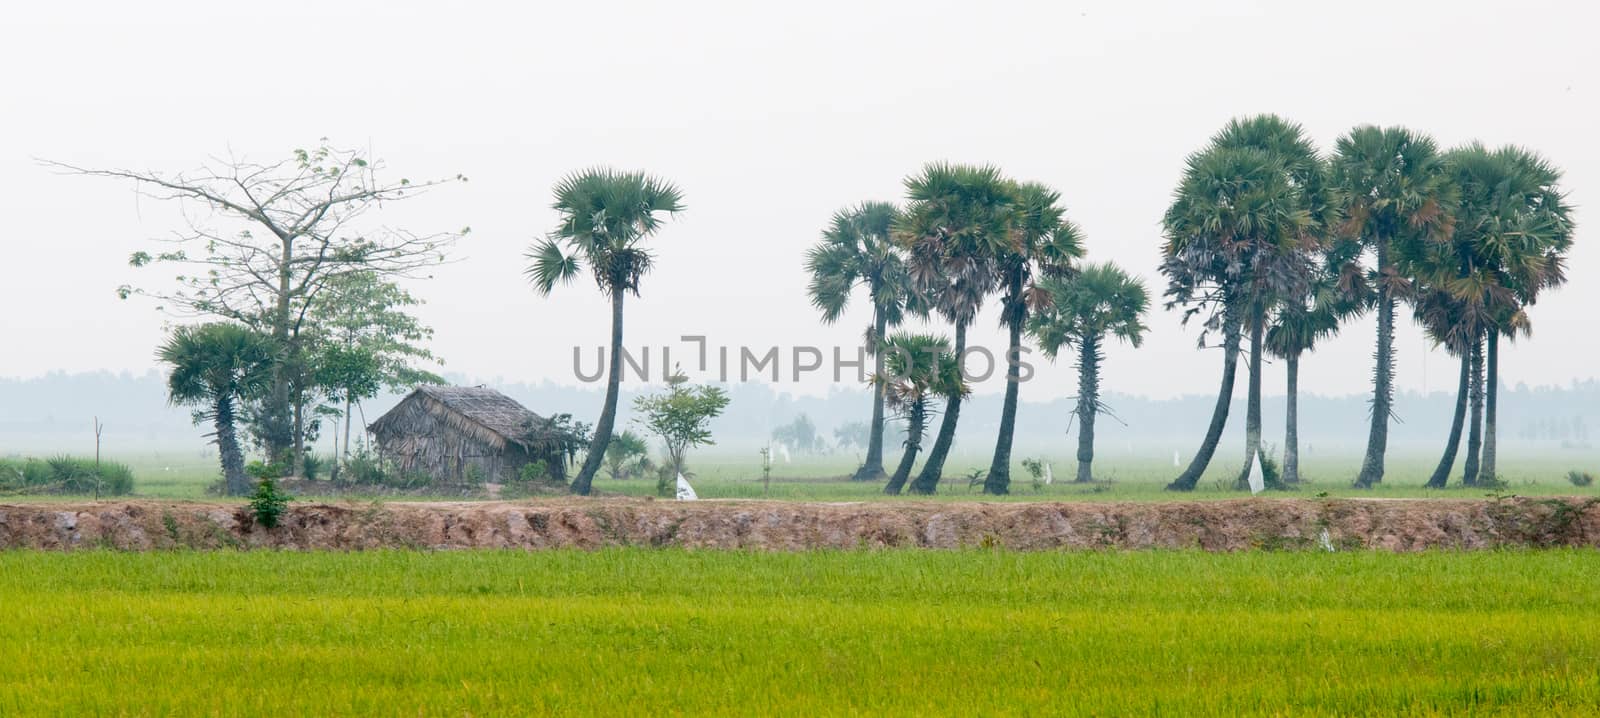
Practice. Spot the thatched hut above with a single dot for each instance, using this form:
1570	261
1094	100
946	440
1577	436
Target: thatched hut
458	434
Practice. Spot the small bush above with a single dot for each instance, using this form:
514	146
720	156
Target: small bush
1580	479
666	482
268	503
313	466
363	468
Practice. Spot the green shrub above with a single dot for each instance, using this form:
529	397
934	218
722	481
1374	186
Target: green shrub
268	503
1580	479
259	470
312	467
536	472
1271	474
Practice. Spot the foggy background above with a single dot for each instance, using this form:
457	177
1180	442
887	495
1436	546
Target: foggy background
770	118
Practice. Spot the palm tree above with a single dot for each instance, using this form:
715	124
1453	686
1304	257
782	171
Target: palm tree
605	217
1451	323
1234	213
1336	292
858	249
917	369
1515	221
1043	244
1282	261
1100	300
218	366
956	225
1392	189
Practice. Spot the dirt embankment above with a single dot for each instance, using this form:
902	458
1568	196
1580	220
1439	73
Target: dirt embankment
1302	524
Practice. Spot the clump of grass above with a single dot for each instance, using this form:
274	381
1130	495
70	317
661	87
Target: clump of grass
1580	479
65	475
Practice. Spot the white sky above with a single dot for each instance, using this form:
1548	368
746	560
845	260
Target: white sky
769	118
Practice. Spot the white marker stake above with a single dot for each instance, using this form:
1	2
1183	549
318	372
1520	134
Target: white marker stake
1174	459
685	491
1049	478
1257	479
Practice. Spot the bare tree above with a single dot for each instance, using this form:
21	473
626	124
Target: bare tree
261	241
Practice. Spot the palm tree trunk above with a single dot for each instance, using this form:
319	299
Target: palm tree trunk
1291	426
232	458
1252	412
1447	463
1088	404
872	468
1219	415
608	412
1491	387
914	428
1475	427
1382	378
297	467
928	481
998	482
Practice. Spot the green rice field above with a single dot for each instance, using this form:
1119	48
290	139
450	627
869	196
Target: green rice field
641	632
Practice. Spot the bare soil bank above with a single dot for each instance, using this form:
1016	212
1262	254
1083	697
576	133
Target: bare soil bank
1234	525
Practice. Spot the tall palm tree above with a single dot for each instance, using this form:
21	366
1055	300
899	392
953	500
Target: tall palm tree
1515	220
1392	189
1233	213
1043	244
858	249
217	367
605	217
918	368
1101	300
1336	292
1281	262
956	225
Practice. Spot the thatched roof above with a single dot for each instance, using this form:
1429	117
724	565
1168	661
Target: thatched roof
485	414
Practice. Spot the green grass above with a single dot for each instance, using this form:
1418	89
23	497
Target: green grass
912	633
1130	476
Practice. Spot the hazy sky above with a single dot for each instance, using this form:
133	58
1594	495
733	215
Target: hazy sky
769	118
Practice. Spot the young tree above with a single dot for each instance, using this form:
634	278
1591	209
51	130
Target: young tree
366	340
1101	300
606	216
957	222
267	240
918	368
680	416
858	249
1044	243
1393	190
217	366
